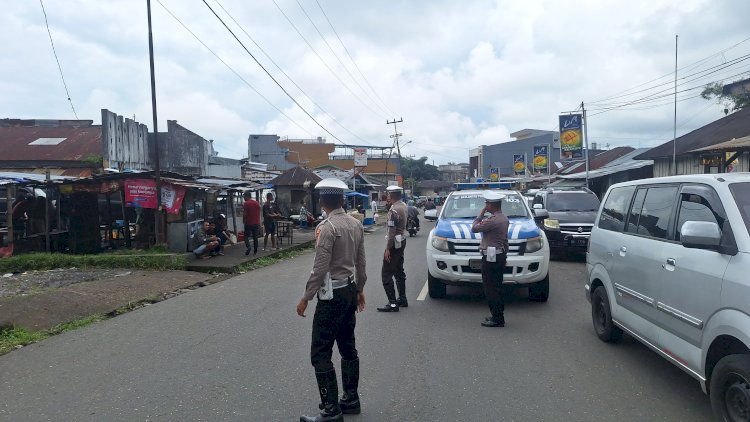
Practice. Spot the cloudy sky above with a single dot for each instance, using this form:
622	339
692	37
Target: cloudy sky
459	73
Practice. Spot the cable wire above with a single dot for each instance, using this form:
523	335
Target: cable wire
287	75
352	60
325	63
59	67
232	69
271	76
337	57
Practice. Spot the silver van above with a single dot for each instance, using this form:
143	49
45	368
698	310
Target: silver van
669	263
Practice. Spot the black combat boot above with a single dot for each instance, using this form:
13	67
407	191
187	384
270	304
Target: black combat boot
329	399
401	286
349	402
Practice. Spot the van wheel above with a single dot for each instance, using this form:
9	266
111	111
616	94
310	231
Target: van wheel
730	388
601	314
435	287
539	291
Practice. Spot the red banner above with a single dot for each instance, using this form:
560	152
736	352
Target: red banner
140	193
171	198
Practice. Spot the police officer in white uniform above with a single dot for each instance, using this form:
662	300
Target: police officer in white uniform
338	278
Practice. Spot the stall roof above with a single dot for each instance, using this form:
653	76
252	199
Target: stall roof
10	177
736	143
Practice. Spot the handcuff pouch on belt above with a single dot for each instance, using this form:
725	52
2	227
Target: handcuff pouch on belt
329	285
491	253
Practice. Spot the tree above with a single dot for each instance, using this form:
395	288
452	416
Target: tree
419	169
729	101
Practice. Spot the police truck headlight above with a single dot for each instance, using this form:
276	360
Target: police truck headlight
551	224
534	244
440	243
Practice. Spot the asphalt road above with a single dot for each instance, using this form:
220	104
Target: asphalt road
236	351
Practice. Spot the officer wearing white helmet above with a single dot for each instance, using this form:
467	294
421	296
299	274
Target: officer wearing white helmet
494	248
338	278
393	257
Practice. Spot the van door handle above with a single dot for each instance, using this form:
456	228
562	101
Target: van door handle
671	261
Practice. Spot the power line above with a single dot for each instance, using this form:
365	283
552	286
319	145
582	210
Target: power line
269	74
232	69
352	59
692	65
57	60
287	75
325	63
337	57
704	73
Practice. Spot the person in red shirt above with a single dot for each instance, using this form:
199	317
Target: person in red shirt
251	219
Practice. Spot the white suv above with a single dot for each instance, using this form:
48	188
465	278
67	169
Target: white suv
668	263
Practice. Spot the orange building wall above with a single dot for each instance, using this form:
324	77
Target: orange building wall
316	155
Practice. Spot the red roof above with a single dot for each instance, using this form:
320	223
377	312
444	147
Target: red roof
77	144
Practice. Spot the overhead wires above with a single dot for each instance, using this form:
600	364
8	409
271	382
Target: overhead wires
59	67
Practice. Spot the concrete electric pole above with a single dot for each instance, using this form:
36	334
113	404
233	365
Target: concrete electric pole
395	137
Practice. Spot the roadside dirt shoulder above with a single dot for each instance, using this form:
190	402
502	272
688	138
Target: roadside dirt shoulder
50	305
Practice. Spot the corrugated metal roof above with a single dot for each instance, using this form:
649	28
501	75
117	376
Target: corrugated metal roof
728	127
296	176
79	143
605	171
736	143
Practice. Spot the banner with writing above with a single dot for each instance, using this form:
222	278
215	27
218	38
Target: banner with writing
571	136
519	163
541	158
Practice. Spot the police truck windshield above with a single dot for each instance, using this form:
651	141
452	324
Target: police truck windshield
468	205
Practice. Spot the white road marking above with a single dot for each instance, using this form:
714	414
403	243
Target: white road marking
423	293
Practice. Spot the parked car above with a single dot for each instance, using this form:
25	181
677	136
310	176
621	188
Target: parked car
453	256
571	215
668	263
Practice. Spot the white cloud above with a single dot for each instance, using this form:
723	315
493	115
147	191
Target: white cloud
461	74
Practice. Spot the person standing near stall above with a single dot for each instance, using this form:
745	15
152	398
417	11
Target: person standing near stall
251	221
494	248
338	278
271	213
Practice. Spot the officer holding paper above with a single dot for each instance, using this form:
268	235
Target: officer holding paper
494	247
338	278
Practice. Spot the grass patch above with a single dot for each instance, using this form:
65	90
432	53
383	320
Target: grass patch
12	337
151	259
270	260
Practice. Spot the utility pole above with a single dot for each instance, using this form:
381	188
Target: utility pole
395	137
158	227
674	138
586	139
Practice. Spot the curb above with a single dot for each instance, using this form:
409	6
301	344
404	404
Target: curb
235	268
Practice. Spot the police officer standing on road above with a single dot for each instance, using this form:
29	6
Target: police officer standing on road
338	278
393	257
494	248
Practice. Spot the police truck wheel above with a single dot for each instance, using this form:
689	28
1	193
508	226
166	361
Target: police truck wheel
730	388
435	287
601	314
539	291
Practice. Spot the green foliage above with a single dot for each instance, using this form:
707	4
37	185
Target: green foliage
94	160
730	102
12	337
142	260
419	169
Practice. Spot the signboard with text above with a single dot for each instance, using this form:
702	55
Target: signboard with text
494	174
571	136
360	157
519	163
541	158
140	193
